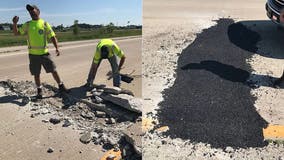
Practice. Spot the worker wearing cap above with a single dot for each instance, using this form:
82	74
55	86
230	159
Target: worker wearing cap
38	32
107	49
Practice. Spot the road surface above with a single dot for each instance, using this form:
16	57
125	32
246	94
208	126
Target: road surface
196	84
23	137
74	62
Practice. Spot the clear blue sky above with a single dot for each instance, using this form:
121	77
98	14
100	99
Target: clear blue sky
64	12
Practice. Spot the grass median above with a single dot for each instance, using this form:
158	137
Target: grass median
8	39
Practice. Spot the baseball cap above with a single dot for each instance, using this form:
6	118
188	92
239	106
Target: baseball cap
31	7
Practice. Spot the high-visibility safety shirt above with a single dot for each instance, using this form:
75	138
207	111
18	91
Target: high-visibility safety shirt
112	47
38	32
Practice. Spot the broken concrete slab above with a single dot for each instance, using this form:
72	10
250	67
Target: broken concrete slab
112	134
110	110
126	101
112	90
133	135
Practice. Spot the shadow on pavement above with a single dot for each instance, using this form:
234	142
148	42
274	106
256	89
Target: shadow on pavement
213	108
12	99
231	73
267	35
79	92
224	71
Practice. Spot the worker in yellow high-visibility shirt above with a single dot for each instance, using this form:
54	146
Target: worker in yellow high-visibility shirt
106	49
38	32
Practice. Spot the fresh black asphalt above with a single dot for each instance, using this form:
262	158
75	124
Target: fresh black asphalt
210	100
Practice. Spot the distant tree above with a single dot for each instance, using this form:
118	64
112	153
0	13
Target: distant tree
102	29
75	27
60	27
110	27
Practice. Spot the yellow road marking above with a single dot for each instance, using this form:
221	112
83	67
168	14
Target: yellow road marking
117	155
273	132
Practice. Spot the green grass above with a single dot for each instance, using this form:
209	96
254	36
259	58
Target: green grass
7	38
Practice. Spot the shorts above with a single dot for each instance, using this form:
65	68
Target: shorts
36	61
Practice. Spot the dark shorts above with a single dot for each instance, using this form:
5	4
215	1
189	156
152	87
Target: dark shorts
36	61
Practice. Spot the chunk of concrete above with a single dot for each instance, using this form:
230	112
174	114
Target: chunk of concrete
109	110
86	138
55	120
112	90
110	121
50	150
126	101
97	99
100	114
67	123
133	135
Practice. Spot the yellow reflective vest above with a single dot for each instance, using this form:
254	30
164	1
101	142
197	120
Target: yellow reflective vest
38	32
112	47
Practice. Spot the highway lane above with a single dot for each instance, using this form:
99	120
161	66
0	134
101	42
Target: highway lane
74	62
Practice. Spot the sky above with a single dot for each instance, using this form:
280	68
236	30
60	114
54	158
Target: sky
64	12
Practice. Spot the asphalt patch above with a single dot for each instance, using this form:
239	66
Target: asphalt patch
209	101
243	37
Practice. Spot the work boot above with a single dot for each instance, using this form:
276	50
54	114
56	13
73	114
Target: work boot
62	88
39	93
